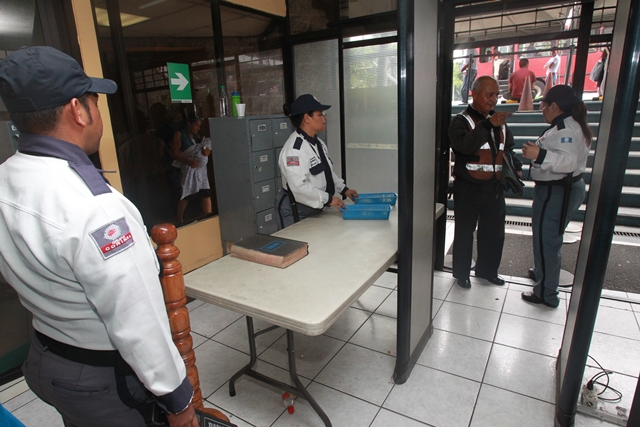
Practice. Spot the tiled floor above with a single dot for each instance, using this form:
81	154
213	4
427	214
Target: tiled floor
490	362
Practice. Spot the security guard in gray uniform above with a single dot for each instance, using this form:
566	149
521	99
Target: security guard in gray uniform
559	157
78	255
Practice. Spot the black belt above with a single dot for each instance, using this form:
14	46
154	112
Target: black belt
562	181
99	358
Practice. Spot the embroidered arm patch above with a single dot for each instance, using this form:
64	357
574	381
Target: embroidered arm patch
566	139
113	238
293	161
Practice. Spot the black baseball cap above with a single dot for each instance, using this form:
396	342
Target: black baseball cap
305	103
564	96
41	77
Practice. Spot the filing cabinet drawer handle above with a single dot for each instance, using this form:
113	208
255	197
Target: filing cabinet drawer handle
262	128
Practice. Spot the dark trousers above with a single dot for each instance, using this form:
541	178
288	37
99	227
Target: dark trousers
481	205
85	396
285	212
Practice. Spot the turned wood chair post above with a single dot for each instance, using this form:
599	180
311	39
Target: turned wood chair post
175	299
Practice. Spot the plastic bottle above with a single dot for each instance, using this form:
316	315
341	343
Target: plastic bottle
224	102
287	401
235	99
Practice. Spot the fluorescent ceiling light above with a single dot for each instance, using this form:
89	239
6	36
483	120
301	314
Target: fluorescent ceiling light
126	18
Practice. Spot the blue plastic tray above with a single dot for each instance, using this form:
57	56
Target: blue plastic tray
366	211
377	198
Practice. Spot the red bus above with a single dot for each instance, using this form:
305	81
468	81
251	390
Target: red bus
506	58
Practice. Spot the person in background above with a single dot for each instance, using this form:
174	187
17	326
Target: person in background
559	157
77	253
600	80
191	156
309	183
553	65
479	136
469	69
517	79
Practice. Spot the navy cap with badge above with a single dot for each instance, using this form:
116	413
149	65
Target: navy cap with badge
41	77
306	103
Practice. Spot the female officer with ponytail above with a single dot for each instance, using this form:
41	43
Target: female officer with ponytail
559	157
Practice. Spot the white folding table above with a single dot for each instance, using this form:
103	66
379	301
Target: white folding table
345	258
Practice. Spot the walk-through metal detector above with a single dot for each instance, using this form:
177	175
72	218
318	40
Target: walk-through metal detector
614	138
417	68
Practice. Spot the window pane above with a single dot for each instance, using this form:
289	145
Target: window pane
371	119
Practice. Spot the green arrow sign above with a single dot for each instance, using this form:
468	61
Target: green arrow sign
179	83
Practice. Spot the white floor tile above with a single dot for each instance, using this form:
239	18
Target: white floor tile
522	372
197	339
615	353
442	285
194	304
347	324
517	306
378	333
456	354
387	280
497	407
216	364
360	372
342	410
254	402
37	413
372	298
470	321
605	302
208	319
387	418
390	306
435	398
437	304
311	353
614	321
236	336
529	334
480	295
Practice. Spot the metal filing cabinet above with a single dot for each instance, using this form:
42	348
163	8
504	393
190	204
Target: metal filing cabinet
247	176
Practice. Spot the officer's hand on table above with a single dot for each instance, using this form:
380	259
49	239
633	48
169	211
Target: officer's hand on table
186	418
337	203
499	118
530	150
352	194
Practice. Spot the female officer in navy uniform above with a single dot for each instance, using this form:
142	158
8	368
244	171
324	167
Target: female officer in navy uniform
308	178
559	157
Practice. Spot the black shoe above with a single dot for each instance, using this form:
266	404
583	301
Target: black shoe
495	280
533	298
463	283
532	274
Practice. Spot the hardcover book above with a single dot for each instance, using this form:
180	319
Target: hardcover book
269	250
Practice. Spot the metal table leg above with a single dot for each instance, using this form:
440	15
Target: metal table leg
299	389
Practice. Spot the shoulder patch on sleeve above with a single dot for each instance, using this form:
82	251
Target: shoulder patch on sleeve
566	139
113	238
298	143
293	161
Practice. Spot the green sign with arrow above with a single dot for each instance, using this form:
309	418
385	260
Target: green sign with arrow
179	83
